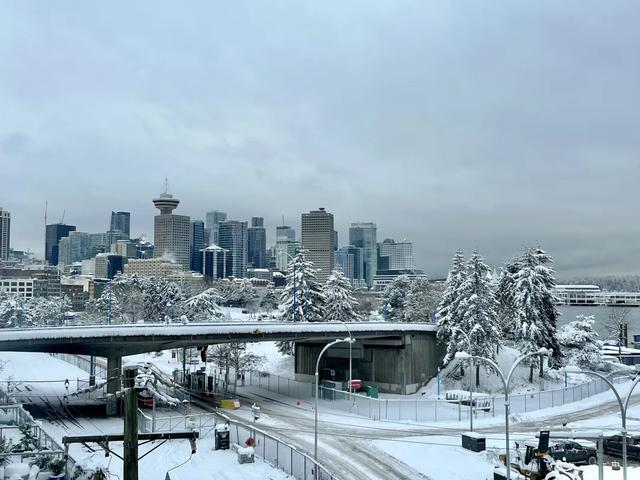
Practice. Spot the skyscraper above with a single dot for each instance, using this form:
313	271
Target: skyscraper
197	244
214	262
395	256
363	235
352	261
171	232
121	221
285	233
232	236
5	233
54	233
286	246
317	239
257	243
73	248
212	220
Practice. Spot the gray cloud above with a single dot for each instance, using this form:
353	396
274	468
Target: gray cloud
463	124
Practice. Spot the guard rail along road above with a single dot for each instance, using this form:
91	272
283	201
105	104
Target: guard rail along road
420	410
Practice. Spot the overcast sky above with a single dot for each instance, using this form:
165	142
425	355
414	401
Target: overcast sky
453	124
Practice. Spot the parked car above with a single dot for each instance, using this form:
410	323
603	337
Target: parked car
613	446
573	452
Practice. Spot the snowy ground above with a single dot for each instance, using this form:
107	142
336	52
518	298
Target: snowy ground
273	361
41	374
490	383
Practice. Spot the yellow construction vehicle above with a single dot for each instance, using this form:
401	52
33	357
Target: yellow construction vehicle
537	464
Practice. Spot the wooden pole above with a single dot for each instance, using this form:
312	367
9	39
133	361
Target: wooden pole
131	435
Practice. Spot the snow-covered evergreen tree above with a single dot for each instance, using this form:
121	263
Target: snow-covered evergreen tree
302	299
477	305
536	313
203	307
505	292
394	299
108	303
421	301
129	293
338	298
448	313
270	299
162	298
579	342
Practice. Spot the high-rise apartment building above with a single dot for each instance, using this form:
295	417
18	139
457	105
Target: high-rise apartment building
197	244
121	221
317	239
5	233
257	243
232	236
363	235
54	233
212	220
171	232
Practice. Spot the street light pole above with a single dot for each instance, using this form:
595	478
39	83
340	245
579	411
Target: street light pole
456	329
623	408
350	357
505	383
110	287
315	441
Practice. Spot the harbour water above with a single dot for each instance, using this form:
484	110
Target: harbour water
601	315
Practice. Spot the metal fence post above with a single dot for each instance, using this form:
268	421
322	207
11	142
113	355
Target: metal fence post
459	409
539	400
493	406
277	455
305	467
416	410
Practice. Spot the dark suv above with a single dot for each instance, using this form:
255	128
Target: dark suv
573	452
613	446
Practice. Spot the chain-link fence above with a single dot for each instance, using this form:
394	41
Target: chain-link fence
271	449
421	410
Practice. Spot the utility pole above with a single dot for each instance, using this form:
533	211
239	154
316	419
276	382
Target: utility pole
131	434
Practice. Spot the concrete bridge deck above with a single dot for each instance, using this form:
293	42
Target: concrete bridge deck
123	340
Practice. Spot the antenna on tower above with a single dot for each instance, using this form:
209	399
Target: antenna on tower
283	220
63	212
166	185
46	206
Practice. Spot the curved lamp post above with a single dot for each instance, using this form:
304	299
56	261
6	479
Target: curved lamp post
456	329
350	367
315	441
622	404
505	383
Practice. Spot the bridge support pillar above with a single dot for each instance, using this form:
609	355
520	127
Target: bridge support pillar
114	379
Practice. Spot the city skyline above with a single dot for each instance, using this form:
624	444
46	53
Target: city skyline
463	125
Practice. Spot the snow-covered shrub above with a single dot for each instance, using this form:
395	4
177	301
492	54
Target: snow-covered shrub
579	342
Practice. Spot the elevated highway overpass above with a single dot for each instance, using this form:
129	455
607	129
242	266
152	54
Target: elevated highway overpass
385	349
